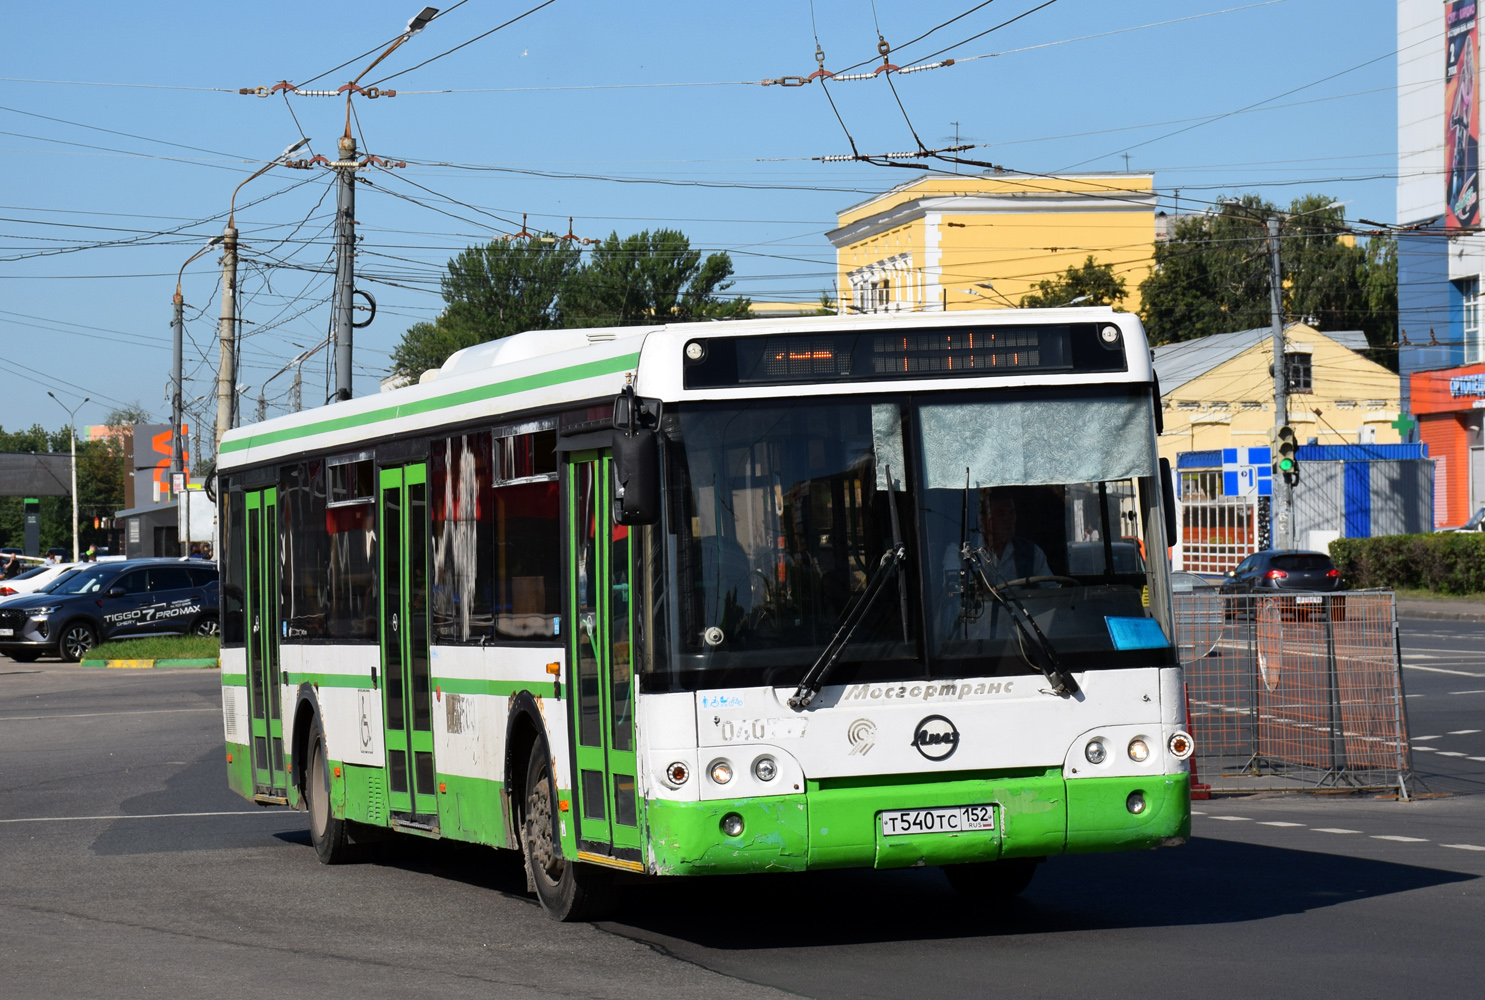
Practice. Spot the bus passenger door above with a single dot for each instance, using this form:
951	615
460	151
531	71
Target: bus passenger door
270	780
406	691
602	691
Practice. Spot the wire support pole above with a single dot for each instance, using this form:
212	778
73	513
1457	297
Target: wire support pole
345	265
227	335
1284	515
177	328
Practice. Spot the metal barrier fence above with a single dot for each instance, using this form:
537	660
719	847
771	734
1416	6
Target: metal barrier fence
1295	690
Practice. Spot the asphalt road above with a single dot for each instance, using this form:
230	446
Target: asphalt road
127	869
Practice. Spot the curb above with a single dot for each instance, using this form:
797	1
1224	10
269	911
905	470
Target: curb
1412	611
200	664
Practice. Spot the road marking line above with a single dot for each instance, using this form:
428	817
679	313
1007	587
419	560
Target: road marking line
1417	738
74	819
1463	732
1275	822
1197	812
1332	829
95	715
1477	758
1441	670
1464	847
1450	753
1232	819
1424	750
1400	840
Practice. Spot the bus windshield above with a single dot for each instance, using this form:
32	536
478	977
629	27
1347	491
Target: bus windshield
783	509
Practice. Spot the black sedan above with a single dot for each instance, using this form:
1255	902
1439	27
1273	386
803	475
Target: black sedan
107	601
1283	569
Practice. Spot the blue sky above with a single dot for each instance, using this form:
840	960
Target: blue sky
571	112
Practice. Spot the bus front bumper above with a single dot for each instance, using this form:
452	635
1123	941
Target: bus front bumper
837	824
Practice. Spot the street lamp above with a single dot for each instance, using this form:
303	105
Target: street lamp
72	429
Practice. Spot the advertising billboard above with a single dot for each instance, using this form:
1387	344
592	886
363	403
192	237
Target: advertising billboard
1461	116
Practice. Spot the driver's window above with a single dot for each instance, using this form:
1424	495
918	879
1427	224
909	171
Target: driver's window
133	583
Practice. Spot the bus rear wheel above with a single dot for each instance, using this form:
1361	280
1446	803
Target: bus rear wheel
326	833
992	879
568	890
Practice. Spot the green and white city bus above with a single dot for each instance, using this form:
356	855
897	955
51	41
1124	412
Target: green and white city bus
870	591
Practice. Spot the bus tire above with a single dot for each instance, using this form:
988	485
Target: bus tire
992	879
326	832
567	890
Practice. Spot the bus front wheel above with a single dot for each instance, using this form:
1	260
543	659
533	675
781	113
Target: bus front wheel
567	890
992	879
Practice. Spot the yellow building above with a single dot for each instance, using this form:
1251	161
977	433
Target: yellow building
976	241
1218	391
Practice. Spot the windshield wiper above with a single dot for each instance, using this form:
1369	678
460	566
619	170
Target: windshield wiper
974	561
890	566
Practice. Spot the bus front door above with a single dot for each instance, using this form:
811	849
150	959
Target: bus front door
406	693
270	779
602	692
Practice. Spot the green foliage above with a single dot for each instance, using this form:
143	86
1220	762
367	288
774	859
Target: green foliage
1094	284
1212	275
490	292
542	283
1450	562
828	304
100	486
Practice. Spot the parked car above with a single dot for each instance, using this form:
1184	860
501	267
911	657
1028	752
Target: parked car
1476	523
1086	558
1183	582
33	579
108	601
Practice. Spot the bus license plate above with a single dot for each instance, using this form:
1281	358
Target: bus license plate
951	819
1307	599
7	631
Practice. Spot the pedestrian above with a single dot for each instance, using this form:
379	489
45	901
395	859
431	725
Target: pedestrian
12	565
91	555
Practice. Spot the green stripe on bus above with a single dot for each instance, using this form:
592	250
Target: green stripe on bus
502	689
589	369
330	680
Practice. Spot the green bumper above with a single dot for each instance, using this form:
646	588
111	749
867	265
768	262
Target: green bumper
835	823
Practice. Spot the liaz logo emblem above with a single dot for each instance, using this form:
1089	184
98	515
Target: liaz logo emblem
863	736
936	738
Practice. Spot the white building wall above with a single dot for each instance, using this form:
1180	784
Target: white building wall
1420	110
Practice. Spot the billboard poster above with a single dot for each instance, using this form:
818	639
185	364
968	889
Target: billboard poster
1461	116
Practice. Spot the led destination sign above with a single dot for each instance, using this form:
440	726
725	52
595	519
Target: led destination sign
716	362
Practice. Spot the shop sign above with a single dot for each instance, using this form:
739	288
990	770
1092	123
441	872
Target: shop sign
1467	385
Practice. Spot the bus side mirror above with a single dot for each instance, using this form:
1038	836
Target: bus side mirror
636	465
1168	503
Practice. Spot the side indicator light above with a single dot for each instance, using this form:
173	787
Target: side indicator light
563	806
229	758
554	669
337	772
443	789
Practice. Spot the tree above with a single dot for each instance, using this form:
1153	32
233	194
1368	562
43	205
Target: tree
1093	284
1212	275
651	277
490	292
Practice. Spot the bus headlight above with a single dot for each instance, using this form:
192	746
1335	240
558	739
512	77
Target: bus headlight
765	769
721	771
1139	750
1095	752
732	825
1135	803
1181	745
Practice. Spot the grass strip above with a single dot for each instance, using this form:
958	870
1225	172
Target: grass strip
159	647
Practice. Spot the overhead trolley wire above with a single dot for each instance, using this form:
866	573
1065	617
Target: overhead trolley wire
456	48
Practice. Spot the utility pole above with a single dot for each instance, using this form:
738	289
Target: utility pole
1283	490
345	260
227	333
72	431
177	327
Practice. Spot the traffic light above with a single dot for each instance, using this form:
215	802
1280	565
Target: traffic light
1286	462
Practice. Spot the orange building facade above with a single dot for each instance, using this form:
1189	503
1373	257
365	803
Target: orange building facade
1449	404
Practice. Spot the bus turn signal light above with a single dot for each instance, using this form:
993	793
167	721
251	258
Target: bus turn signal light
554	669
1181	745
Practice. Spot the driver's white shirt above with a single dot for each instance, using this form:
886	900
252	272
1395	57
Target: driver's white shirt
1006	566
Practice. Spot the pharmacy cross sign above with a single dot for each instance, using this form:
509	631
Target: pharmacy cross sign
1403	425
